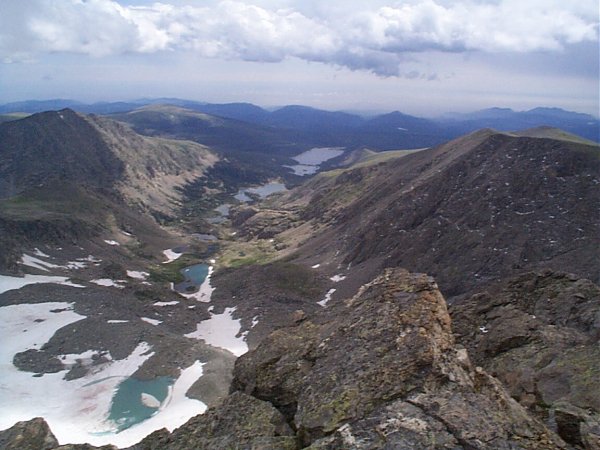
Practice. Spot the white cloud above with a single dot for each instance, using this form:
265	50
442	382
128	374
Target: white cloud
373	37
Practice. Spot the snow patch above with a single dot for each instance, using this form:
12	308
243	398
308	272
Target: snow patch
151	321
41	254
222	331
108	282
175	302
137	275
337	278
9	283
117	321
327	298
316	266
171	255
110	242
36	263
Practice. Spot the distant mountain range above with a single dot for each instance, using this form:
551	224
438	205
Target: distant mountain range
383	132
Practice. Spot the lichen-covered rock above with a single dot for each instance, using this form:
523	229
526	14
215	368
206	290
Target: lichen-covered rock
383	372
28	435
240	422
539	335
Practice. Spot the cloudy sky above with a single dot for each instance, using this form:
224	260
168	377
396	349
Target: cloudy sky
419	56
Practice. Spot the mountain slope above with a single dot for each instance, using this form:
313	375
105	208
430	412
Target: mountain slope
66	176
481	207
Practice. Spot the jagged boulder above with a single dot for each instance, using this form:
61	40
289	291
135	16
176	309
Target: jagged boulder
34	434
384	372
240	422
539	334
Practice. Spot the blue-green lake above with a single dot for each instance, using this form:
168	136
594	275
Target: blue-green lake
127	408
194	277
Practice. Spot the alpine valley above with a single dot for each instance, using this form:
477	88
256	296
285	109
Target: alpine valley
181	275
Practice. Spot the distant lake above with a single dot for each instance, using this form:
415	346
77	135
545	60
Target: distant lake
127	408
262	191
310	160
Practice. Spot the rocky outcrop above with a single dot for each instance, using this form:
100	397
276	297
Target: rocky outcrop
383	371
30	435
241	422
539	334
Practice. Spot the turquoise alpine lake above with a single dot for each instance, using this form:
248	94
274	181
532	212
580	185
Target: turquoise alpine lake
194	276
127	408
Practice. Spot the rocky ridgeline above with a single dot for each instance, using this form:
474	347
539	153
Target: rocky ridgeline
539	333
380	370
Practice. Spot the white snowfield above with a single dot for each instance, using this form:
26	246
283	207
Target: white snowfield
77	410
222	331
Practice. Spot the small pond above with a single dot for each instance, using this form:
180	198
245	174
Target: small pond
262	191
194	277
127	408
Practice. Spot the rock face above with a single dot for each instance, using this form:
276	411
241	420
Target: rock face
539	334
384	372
240	422
31	435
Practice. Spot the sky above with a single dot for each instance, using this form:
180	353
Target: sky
422	57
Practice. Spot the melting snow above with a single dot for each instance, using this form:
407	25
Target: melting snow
108	282
137	275
36	263
171	255
110	242
175	302
9	283
337	278
151	321
327	297
41	254
75	410
222	331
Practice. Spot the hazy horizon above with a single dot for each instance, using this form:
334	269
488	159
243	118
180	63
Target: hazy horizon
357	111
423	58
